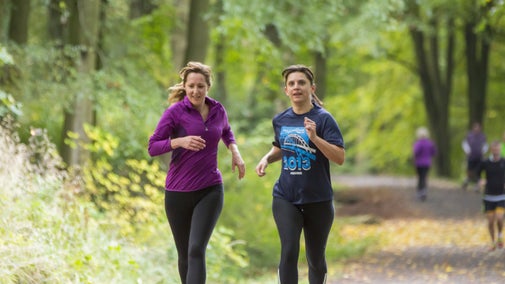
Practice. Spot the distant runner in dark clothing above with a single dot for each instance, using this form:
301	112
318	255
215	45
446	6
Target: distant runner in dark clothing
494	193
475	146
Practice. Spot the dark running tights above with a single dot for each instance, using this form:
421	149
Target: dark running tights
192	217
422	177
315	219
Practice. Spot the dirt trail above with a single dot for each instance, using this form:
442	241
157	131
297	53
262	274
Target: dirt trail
441	240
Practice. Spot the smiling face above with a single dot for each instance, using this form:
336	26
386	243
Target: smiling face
196	88
298	88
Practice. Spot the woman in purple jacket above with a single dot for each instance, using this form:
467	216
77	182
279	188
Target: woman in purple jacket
191	129
424	151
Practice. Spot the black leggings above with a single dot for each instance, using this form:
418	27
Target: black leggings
192	217
422	177
315	219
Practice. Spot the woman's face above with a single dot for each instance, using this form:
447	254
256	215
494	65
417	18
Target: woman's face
298	88
196	89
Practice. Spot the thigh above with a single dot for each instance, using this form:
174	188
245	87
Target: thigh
318	219
206	213
500	209
179	210
289	220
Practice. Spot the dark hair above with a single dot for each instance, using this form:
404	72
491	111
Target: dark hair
308	73
298	68
177	92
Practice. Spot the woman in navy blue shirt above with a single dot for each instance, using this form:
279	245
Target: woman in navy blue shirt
307	138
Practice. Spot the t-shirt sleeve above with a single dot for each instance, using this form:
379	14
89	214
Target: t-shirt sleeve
331	131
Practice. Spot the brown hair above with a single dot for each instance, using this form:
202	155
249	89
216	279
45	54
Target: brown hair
308	73
177	92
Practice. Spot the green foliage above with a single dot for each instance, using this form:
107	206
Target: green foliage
132	190
394	110
9	106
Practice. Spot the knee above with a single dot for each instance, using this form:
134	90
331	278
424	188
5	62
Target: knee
290	254
318	264
196	251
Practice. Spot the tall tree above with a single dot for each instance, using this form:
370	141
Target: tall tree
221	93
478	38
82	34
18	26
320	70
435	71
56	20
5	11
197	32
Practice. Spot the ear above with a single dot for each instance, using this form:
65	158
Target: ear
313	88
286	91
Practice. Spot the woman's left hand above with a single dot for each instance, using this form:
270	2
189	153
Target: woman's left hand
310	127
237	162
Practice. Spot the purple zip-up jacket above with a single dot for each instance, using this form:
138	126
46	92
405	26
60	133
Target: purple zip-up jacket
190	170
424	150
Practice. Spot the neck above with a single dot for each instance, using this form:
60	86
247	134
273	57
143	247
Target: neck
301	109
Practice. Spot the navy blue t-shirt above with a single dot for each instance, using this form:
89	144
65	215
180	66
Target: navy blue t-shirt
305	174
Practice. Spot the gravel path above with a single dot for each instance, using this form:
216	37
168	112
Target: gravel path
447	241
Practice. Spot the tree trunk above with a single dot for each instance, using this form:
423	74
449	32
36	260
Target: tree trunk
198	31
5	15
477	49
18	26
221	93
436	86
320	74
83	33
56	22
178	33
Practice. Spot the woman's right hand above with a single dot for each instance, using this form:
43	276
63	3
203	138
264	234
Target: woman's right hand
192	143
260	168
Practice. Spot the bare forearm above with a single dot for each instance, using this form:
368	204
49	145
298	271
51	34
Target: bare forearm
330	151
273	155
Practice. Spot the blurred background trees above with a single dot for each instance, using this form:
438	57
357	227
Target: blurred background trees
93	74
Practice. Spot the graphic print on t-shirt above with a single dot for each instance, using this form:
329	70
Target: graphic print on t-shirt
296	141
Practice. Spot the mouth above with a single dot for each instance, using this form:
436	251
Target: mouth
196	97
